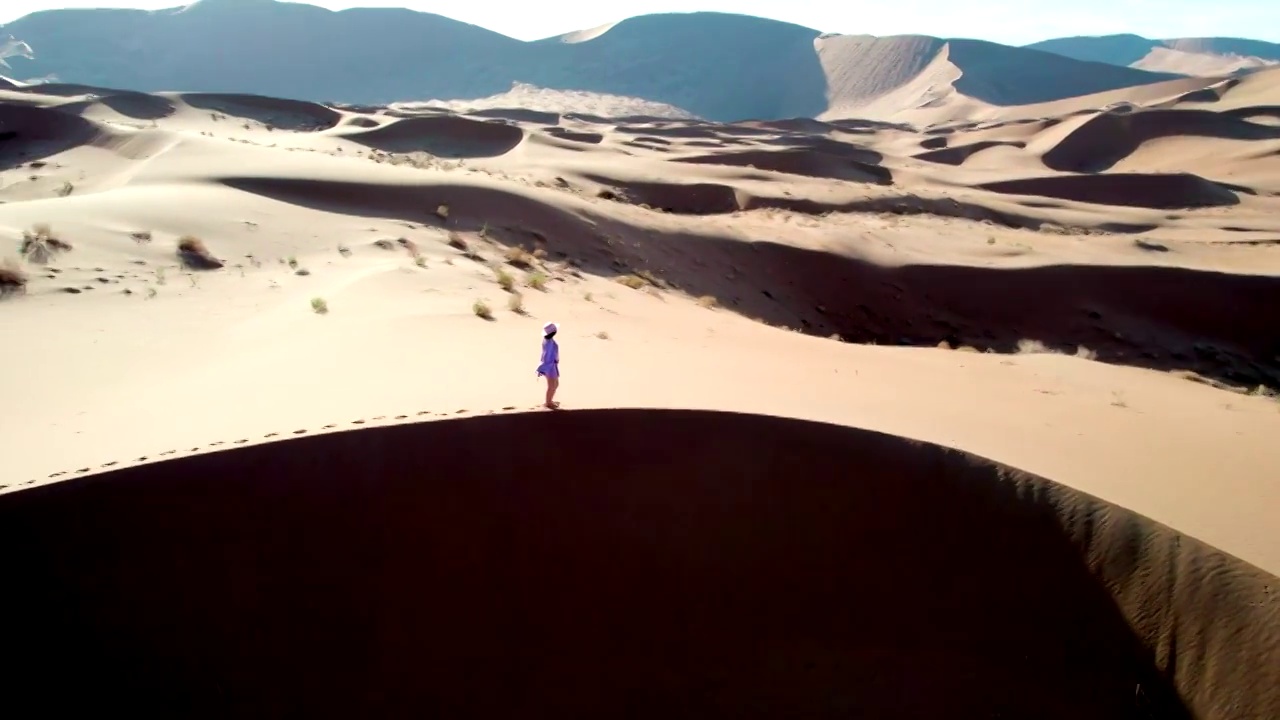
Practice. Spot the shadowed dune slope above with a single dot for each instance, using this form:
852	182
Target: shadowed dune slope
1106	139
803	162
1006	76
958	154
556	565
1190	56
1182	190
30	132
139	106
443	135
277	112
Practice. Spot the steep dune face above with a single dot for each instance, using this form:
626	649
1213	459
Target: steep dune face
715	65
356	55
861	68
931	80
366	572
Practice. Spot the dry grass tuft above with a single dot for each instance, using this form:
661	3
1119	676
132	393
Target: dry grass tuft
195	255
520	258
40	245
515	303
505	279
1259	391
410	246
602	335
442	211
13	279
1033	347
141	236
707	301
537	280
319	306
384	244
650	278
635	282
460	243
482	310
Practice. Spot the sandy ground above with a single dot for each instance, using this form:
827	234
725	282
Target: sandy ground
1142	301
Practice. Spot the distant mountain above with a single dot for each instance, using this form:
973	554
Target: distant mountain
1186	56
718	66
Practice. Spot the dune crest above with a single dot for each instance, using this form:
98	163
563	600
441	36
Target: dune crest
717	581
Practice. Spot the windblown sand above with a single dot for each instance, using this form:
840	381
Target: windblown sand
1085	292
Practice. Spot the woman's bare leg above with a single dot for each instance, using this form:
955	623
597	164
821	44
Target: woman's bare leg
552	385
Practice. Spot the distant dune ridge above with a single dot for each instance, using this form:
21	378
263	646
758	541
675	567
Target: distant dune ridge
779	70
1184	56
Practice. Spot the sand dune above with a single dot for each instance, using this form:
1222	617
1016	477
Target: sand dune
443	136
32	132
957	155
245	579
808	163
1125	189
928	80
1085	295
659	65
1108	138
135	106
1208	57
523	99
1169	60
284	114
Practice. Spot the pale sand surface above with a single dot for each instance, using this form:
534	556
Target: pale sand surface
237	354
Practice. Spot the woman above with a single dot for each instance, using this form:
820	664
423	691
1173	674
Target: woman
550	365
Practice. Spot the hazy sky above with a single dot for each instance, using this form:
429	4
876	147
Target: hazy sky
1007	21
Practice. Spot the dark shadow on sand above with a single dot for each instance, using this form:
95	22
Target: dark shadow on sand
607	563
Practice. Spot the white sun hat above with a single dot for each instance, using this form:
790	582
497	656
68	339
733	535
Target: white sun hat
549	328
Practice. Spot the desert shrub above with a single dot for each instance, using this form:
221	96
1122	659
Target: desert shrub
195	255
